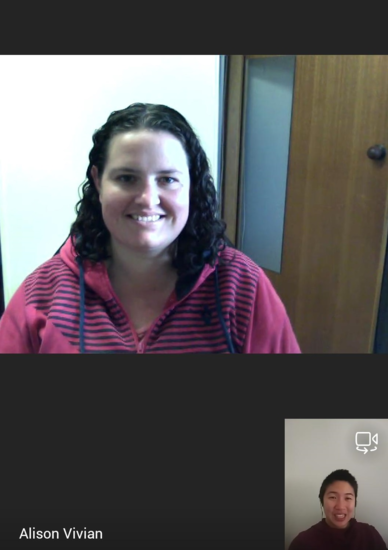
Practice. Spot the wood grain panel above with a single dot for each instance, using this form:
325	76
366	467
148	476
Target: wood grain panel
336	211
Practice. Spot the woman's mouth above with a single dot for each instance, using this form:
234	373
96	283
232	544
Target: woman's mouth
146	219
340	517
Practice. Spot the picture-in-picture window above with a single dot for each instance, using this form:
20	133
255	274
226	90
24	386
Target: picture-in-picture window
336	486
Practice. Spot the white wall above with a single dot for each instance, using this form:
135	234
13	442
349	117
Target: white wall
315	448
49	108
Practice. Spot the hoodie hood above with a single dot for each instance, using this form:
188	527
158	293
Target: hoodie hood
95	273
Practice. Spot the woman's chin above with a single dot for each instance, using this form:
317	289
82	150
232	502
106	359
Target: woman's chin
339	523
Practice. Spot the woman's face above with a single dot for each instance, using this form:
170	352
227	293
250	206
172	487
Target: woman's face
144	190
338	503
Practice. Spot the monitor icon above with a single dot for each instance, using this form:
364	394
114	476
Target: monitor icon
364	440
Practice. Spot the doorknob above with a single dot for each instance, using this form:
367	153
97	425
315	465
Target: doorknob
377	152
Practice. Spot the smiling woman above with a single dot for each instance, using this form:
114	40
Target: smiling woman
146	268
339	529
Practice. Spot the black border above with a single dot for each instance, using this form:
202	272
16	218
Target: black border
163	451
192	29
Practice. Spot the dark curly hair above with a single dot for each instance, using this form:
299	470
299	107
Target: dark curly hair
204	233
338	475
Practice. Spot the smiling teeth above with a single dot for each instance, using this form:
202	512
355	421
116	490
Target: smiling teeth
146	218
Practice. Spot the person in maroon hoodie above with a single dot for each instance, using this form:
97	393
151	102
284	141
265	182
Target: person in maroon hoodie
339	529
147	267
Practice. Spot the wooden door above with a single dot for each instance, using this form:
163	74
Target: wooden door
335	231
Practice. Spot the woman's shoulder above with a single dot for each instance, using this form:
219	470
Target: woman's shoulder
369	535
366	527
45	281
242	270
363	525
51	269
234	260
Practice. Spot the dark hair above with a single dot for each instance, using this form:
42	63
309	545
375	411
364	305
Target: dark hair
203	235
338	475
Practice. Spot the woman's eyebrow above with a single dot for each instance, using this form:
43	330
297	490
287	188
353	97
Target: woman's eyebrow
135	171
169	171
125	169
336	493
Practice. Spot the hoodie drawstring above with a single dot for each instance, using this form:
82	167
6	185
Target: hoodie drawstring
220	316
82	304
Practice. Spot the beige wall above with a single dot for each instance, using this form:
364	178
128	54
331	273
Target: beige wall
313	449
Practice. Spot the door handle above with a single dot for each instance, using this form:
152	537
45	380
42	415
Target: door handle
376	152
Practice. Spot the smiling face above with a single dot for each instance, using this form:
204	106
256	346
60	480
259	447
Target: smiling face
144	191
339	503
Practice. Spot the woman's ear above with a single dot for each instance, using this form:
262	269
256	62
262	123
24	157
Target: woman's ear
96	178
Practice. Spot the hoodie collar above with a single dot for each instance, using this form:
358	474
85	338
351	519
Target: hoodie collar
96	274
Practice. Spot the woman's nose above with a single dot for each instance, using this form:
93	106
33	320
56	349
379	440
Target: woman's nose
148	194
340	505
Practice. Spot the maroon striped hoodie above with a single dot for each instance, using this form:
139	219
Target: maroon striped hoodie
57	309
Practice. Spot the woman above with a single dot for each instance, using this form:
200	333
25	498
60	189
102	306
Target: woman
339	529
146	268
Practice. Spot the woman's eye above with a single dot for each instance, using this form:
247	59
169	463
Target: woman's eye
125	178
167	179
